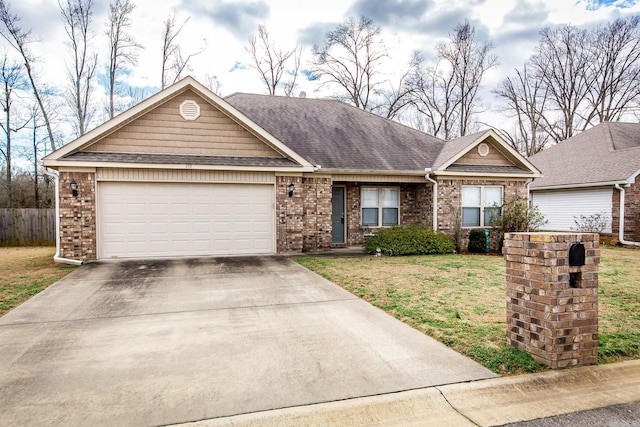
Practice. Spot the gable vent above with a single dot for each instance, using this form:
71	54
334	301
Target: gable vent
189	110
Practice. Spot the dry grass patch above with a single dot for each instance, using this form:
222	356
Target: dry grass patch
25	272
460	300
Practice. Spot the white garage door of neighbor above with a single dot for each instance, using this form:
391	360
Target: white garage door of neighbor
138	220
562	208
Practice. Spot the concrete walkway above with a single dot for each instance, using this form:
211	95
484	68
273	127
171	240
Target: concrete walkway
491	402
164	342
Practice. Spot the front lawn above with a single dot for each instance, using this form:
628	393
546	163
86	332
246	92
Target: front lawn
460	300
25	271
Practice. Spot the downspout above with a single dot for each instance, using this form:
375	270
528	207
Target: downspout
435	198
529	205
57	257
621	225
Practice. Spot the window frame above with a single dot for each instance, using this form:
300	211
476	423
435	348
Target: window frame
482	205
379	205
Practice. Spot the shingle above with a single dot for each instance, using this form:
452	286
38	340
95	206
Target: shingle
487	169
88	156
607	152
339	136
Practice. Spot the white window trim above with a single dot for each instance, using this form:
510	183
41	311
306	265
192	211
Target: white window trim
482	205
379	207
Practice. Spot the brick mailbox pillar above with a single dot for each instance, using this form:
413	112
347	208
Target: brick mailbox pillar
552	306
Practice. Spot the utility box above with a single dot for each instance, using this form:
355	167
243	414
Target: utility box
552	296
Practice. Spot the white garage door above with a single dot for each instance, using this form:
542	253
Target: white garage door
561	207
138	220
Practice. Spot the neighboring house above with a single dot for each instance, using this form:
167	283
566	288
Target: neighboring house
186	173
591	173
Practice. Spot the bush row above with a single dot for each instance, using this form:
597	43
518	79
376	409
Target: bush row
409	240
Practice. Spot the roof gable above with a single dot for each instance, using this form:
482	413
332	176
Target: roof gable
605	154
163	130
155	127
482	153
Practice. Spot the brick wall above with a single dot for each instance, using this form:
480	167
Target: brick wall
416	203
304	219
316	213
450	204
289	215
552	308
631	212
78	216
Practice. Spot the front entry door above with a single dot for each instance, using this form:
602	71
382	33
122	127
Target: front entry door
337	215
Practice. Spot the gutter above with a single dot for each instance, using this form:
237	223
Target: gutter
621	225
435	197
578	185
57	257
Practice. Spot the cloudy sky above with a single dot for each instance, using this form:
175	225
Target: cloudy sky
222	27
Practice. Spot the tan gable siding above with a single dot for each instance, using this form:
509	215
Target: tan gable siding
164	131
494	158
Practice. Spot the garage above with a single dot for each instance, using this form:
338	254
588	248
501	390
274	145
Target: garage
151	219
560	208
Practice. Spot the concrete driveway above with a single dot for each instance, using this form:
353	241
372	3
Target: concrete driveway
173	341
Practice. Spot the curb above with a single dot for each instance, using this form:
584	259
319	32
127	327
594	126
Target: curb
491	402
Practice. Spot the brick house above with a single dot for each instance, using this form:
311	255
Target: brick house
594	172
187	173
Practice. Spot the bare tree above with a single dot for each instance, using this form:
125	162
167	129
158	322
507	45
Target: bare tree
351	58
397	97
77	16
446	93
174	60
34	153
615	69
525	99
433	99
577	79
122	45
12	80
19	39
561	64
270	61
212	83
469	59
291	84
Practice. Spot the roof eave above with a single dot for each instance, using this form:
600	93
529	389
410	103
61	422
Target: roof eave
578	185
489	174
57	164
371	171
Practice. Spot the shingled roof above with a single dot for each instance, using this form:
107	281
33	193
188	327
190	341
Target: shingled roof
605	154
338	136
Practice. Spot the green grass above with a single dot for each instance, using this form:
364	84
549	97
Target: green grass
26	271
460	300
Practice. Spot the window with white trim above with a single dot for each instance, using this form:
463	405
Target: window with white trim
480	204
380	206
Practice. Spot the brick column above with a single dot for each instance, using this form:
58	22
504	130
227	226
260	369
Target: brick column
78	216
289	219
316	213
552	308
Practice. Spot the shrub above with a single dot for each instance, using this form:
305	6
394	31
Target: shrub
594	223
409	240
516	216
477	240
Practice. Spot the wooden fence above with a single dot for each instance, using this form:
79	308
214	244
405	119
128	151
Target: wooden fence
27	227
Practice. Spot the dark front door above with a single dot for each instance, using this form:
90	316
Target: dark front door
337	215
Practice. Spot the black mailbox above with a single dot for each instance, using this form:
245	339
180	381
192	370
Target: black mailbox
576	254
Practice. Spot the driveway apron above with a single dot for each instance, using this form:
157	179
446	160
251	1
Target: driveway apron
159	342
